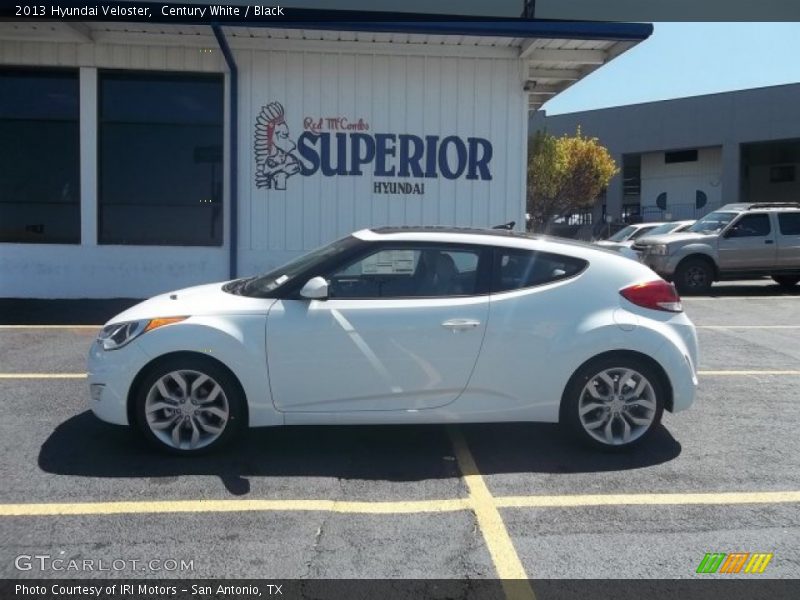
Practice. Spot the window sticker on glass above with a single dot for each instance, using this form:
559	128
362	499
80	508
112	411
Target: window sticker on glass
390	262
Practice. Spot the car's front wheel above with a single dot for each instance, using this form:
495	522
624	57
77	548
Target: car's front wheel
188	405
786	281
613	402
694	276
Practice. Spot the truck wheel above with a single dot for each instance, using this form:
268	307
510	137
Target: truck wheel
786	281
694	276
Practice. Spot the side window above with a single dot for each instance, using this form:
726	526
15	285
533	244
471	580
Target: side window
789	223
516	269
751	226
408	272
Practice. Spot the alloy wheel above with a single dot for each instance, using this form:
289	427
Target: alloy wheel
617	406
186	409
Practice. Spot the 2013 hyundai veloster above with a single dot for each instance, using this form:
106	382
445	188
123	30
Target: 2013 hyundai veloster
402	325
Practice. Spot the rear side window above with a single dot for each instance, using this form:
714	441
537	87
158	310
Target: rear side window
516	268
789	223
751	226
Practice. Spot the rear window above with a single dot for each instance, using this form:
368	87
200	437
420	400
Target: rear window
789	223
516	268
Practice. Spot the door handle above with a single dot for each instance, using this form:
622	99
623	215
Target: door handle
461	324
769	242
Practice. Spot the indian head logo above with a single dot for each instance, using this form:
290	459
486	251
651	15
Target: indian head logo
275	159
337	146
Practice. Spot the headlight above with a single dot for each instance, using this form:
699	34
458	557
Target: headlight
119	334
658	249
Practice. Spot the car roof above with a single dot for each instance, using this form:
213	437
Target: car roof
475	235
768	206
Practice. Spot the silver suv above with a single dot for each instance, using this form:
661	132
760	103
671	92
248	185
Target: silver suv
737	241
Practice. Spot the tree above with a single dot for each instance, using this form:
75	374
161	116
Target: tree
565	175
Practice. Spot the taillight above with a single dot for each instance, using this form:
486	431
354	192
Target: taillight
658	295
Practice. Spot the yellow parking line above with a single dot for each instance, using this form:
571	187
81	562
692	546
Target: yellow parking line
51	326
219	506
43	375
480	500
646	499
504	555
749	372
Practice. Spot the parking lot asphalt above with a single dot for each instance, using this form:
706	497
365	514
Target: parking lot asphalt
476	501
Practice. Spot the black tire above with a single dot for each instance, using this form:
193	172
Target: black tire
231	396
576	396
694	276
786	281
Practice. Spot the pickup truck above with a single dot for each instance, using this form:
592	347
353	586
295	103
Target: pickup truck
737	241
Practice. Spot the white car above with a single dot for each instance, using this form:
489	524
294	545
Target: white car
405	325
625	240
626	236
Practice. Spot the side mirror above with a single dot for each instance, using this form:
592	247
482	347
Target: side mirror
315	288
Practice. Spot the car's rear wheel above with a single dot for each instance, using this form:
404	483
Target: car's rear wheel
786	281
613	402
694	276
189	406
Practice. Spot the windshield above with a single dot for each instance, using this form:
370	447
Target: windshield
712	222
622	234
264	284
662	229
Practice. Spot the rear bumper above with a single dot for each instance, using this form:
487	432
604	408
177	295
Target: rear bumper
682	373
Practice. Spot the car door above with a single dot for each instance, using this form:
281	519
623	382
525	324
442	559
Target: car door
536	312
748	244
400	330
788	240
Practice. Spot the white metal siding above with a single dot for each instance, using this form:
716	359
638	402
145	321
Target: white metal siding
420	95
88	270
681	181
401	93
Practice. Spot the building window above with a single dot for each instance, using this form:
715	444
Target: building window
680	156
39	156
781	174
160	159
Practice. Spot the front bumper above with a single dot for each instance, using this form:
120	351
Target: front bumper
111	374
661	264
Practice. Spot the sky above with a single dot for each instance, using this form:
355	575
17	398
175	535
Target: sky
690	59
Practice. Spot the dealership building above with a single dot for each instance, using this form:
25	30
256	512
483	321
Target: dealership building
682	158
143	157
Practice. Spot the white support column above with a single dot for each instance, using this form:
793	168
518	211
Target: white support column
88	155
